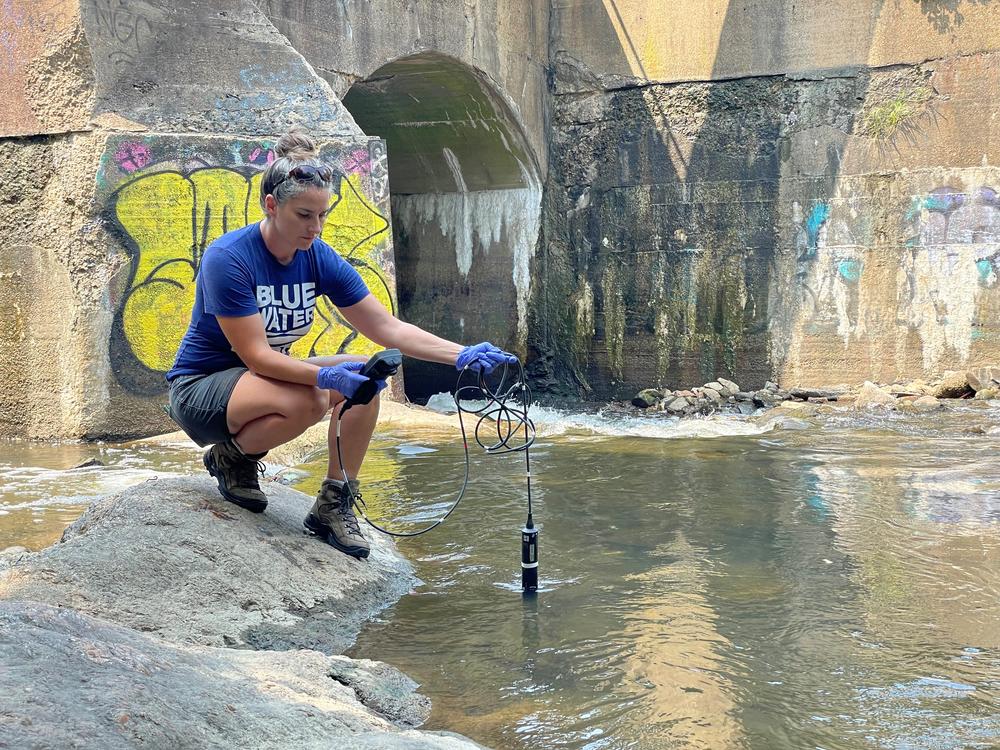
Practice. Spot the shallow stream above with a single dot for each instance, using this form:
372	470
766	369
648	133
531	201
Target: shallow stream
704	584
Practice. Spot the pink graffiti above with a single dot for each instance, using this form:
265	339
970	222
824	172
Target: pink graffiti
132	156
259	155
358	161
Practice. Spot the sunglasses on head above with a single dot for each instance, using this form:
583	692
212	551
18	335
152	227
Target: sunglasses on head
307	173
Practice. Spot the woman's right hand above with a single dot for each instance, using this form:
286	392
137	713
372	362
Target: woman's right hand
344	378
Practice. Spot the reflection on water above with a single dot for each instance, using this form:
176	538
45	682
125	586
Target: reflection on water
829	588
834	588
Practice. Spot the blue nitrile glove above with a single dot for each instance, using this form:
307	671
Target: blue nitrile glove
344	378
483	358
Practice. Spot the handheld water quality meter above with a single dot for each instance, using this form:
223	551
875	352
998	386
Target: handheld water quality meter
381	366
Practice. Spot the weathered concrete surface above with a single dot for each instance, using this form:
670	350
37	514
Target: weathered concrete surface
70	680
46	74
198	67
504	41
172	558
685	223
55	268
633	41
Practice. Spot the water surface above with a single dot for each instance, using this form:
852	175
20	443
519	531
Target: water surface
837	587
705	584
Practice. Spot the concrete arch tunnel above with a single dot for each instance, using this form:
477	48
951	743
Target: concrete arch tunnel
466	203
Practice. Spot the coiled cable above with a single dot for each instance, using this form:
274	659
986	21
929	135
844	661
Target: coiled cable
505	399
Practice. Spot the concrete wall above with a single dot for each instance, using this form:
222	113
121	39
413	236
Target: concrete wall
758	189
770	189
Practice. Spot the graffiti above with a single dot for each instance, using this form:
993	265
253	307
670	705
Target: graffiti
168	216
952	259
947	220
827	268
36	19
132	156
261	156
124	28
378	170
20	24
935	269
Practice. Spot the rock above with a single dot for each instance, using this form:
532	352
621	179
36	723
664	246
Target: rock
871	395
687	394
745	408
772	387
733	388
744	396
646	398
766	398
953	385
678	404
805	394
912	388
797	409
983	377
88	463
720	389
987	394
72	680
927	403
712	395
172	558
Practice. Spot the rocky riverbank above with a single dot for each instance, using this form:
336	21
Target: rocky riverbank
725	396
166	617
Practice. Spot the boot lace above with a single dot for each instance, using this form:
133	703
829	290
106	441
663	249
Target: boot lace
346	513
244	470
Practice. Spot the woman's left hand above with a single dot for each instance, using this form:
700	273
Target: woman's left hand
483	358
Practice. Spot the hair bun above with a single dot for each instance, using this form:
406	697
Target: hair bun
296	145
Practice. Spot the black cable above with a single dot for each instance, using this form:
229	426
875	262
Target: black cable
507	403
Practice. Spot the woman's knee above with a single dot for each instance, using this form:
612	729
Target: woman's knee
305	404
317	404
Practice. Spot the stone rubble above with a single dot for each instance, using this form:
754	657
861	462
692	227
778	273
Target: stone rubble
722	396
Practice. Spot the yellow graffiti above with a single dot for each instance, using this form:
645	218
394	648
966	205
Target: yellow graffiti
172	218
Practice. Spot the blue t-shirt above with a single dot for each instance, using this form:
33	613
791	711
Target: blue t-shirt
239	276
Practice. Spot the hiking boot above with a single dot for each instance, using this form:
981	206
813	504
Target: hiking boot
236	473
333	520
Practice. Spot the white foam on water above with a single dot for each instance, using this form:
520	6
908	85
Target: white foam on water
552	422
33	487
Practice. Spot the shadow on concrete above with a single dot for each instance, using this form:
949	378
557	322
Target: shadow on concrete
945	15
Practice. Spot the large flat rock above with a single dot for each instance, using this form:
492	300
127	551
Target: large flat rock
71	680
172	558
167	617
